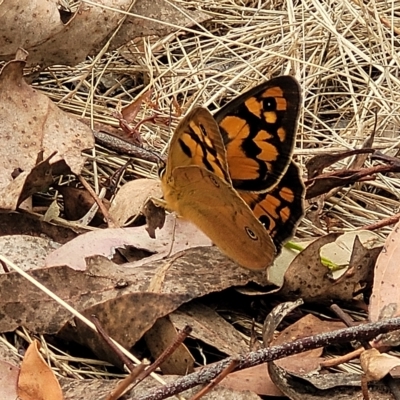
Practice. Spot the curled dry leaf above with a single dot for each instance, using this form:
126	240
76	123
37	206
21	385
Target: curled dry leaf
31	123
53	36
131	198
36	379
376	365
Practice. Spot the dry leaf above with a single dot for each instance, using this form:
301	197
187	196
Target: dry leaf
376	365
255	379
32	124
95	389
8	381
131	197
53	37
309	279
28	252
117	294
18	223
159	338
176	235
308	361
385	299
209	327
36	379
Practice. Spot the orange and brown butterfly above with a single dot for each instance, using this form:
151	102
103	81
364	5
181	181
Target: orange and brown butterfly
232	174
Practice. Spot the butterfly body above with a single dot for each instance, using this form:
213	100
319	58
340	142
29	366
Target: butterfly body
232	175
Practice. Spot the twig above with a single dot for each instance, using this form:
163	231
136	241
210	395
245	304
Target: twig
166	353
126	382
206	374
103	334
231	367
107	216
384	222
122	146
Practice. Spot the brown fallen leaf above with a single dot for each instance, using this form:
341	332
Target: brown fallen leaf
309	279
77	202
130	112
385	298
117	294
255	379
159	338
95	389
18	223
53	36
36	379
32	124
209	327
377	365
308	361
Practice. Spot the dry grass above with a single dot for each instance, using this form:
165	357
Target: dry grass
343	53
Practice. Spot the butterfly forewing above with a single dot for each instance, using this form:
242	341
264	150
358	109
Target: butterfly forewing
216	208
197	141
258	129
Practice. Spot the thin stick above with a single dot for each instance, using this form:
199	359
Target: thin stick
206	374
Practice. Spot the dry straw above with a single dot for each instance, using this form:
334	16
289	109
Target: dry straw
344	53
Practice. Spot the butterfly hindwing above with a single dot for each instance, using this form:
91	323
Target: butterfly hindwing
258	129
216	208
280	209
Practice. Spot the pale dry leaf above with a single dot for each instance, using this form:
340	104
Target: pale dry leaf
28	252
36	379
377	365
32	125
53	37
176	235
8	381
385	299
131	197
340	251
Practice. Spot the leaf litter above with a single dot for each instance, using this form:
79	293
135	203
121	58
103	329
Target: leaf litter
207	65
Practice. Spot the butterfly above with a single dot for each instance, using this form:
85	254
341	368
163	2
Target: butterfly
232	174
